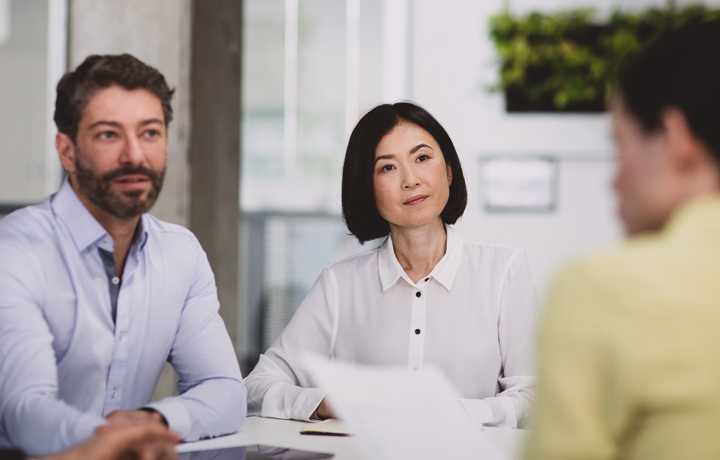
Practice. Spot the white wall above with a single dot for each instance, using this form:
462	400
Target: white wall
453	61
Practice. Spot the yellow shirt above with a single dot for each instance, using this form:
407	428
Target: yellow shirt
630	349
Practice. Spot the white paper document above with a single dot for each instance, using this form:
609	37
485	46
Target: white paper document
401	414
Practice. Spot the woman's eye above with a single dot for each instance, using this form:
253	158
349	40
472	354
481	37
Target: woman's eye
422	158
387	168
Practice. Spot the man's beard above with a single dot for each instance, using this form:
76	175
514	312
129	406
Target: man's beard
124	205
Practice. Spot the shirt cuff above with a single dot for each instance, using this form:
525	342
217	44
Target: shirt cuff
307	402
177	416
285	401
503	410
478	410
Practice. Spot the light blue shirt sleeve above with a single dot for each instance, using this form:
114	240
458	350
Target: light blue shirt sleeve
210	401
28	374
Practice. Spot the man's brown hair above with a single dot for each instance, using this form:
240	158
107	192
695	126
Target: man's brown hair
98	72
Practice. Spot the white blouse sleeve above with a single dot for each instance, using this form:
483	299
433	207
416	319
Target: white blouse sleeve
279	386
518	317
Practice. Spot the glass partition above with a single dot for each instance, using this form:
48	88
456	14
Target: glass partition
311	69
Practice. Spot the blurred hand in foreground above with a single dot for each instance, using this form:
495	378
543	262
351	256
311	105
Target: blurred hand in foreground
147	441
135	417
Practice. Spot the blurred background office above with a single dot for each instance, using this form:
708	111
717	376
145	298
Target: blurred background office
267	94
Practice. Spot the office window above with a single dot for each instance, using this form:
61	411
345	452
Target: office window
311	68
32	59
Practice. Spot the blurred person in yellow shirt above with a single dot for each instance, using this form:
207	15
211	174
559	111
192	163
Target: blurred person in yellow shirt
630	345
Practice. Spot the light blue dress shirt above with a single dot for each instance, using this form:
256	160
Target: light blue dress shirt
64	364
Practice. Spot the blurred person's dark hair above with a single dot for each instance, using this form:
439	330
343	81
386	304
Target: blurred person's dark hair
98	72
358	194
681	70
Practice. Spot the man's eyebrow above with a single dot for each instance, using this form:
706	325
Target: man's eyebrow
104	122
151	121
115	124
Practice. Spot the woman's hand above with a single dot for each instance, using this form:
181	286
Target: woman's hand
323	411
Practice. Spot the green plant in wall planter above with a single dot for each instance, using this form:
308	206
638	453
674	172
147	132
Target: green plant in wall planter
567	61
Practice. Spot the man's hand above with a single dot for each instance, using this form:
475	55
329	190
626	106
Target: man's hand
149	441
135	417
324	411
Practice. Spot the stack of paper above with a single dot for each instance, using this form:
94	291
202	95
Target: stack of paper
397	413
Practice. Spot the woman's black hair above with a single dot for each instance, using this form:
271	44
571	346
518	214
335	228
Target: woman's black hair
358	194
680	70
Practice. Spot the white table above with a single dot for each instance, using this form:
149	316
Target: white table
286	433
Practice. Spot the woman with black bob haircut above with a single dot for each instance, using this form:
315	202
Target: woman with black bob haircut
424	297
358	201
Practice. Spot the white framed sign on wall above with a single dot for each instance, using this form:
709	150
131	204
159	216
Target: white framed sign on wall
519	184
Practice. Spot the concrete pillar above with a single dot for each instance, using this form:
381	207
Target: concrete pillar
215	144
158	33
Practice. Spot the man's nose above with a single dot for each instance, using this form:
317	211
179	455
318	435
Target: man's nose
132	152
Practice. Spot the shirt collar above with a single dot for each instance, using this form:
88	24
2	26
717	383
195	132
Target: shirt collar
143	232
84	229
444	272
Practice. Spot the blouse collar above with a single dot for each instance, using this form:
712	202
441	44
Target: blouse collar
444	272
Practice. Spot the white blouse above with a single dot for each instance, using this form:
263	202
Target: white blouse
474	317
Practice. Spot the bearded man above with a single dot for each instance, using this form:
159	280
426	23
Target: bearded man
96	294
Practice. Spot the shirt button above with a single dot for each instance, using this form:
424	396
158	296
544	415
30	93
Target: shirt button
120	336
417	331
114	393
415	369
115	280
418	294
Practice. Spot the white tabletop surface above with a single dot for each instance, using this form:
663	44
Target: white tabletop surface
286	433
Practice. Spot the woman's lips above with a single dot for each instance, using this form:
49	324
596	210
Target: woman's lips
416	200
